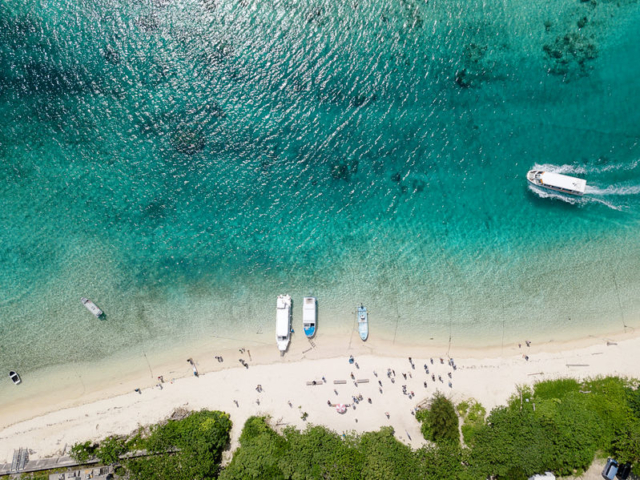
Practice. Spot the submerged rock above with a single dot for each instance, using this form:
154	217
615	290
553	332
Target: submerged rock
474	68
569	52
188	139
463	79
148	23
221	51
111	55
362	99
344	170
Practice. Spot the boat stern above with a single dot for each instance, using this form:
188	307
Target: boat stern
309	330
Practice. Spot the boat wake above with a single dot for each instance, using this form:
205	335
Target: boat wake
614	190
593	193
587	170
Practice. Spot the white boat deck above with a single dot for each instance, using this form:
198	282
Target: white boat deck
283	322
91	307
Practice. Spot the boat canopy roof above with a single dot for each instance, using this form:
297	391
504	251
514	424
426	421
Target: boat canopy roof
282	315
309	310
282	323
563	181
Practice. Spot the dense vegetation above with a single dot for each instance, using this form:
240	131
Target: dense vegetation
189	448
559	425
439	421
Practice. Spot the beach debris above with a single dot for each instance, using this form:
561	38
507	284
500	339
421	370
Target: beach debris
180	414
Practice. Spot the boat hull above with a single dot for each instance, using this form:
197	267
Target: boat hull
557	183
309	315
363	323
554	190
92	307
283	322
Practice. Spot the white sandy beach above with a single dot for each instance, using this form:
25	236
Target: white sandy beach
489	376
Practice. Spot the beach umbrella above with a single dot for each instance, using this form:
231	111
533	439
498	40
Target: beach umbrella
341	408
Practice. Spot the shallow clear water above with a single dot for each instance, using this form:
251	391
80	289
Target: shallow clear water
183	162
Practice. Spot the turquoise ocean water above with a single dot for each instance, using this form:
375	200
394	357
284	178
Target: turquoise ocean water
182	162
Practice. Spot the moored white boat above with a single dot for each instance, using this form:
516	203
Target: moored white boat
363	322
15	378
283	322
557	182
309	314
91	307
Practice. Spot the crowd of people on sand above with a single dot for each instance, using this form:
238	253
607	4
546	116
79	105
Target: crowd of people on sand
357	398
391	378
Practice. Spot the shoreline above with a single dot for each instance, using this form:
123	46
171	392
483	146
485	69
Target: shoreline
116	409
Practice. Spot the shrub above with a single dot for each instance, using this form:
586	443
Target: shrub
443	421
197	440
110	450
473	415
439	422
422	416
82	452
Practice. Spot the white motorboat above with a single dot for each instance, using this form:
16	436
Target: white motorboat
309	314
92	307
363	322
557	182
15	378
283	322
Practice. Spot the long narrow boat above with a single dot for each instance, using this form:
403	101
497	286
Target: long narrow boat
363	322
92	307
309	314
283	322
557	182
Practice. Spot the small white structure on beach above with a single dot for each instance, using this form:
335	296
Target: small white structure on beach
283	322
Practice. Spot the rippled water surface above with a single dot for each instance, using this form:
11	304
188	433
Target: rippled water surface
183	162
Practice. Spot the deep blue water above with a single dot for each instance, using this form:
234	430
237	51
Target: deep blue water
184	162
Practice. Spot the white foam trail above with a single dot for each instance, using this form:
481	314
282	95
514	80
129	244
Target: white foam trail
558	196
604	202
579	169
609	168
614	190
580	201
548	167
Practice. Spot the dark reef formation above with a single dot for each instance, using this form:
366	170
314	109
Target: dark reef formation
188	139
148	23
570	53
344	170
111	55
473	69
